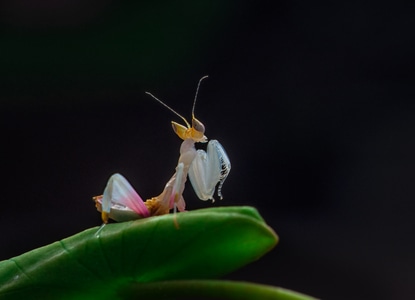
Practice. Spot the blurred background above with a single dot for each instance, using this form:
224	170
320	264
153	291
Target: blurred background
313	102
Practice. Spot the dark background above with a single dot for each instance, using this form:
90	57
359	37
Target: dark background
313	102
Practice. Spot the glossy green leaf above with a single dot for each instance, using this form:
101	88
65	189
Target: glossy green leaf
206	243
207	290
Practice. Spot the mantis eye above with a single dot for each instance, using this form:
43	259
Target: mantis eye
198	126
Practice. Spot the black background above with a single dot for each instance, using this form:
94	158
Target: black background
313	102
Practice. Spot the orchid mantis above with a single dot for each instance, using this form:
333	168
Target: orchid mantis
206	169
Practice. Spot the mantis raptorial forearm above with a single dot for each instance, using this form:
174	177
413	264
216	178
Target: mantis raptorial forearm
205	169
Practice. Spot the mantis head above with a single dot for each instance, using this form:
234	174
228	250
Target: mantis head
196	131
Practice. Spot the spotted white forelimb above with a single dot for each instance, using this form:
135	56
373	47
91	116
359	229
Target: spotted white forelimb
208	169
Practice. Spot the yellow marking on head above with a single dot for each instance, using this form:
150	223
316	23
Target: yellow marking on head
188	132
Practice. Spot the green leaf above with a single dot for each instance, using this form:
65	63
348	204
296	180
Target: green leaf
208	289
205	243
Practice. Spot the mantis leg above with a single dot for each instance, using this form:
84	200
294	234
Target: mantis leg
172	195
178	187
121	200
208	169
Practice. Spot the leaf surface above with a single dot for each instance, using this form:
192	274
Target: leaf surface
208	290
207	243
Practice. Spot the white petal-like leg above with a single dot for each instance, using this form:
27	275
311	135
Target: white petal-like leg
187	155
120	192
171	197
207	169
178	186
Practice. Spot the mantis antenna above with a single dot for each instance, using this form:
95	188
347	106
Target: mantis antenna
197	91
175	112
169	108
